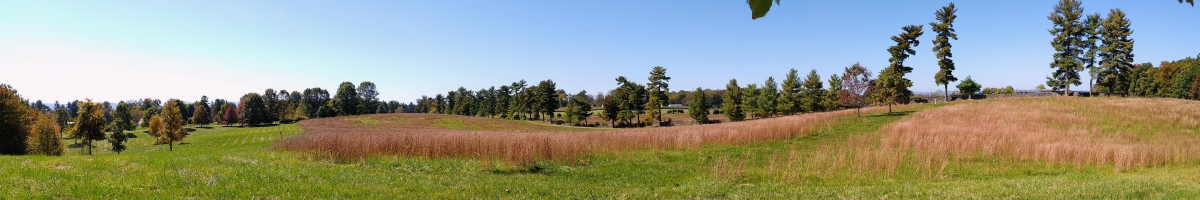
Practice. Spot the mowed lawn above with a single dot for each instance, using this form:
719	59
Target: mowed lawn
240	163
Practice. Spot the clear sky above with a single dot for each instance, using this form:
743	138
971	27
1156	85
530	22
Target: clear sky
119	50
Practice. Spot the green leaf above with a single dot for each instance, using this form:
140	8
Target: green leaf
759	8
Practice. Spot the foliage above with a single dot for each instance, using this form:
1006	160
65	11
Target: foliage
732	105
254	110
698	108
768	96
123	117
813	92
792	95
944	28
829	101
230	115
657	89
892	87
15	121
45	137
759	8
173	129
968	87
346	100
201	116
117	140
90	124
149	112
368	98
1068	42
1116	53
855	81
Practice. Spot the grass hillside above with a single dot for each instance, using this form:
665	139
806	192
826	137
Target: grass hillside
240	163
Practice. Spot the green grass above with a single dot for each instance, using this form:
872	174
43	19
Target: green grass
222	163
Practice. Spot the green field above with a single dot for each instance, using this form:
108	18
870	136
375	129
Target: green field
233	162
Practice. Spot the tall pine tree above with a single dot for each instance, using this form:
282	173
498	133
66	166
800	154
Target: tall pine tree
892	87
944	28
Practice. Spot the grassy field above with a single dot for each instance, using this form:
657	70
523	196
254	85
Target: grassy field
241	163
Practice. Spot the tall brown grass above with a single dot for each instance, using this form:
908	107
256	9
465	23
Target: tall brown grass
352	140
1125	133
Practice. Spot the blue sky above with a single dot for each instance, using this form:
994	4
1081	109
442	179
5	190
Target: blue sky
118	50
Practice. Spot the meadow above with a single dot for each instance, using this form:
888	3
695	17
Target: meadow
252	162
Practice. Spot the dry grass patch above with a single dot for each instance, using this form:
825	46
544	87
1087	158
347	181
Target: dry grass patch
1125	133
352	138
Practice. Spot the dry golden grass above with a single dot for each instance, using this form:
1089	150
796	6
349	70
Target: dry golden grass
352	138
1125	133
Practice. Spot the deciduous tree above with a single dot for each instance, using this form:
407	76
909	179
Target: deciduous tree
173	124
855	81
89	126
44	138
15	121
346	100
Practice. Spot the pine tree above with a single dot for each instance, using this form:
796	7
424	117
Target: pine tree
944	27
657	88
892	87
830	100
768	97
1068	39
698	107
969	87
750	103
1092	30
1116	53
791	95
732	103
813	92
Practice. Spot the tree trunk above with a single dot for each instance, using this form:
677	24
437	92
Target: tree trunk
947	91
89	146
889	108
171	145
1067	89
858	111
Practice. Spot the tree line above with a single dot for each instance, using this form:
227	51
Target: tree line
37	128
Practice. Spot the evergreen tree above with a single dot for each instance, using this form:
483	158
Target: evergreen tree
1092	30
732	104
347	100
830	100
968	87
583	108
657	88
768	98
944	27
698	107
612	106
548	99
892	87
750	103
1068	39
813	92
1116	53
791	95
